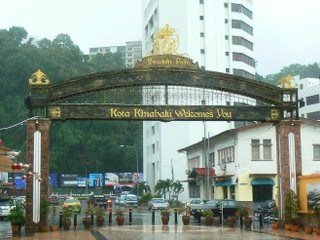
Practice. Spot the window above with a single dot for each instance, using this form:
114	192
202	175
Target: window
301	86
316	152
267	149
238	24
255	149
227	70
240	57
236	40
202	51
201	1
226	21
202	34
201	17
226	37
193	163
241	9
226	155
211	160
227	53
153	148
203	68
312	99
301	103
194	191
243	73
225	5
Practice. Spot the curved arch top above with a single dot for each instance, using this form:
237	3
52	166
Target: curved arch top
163	70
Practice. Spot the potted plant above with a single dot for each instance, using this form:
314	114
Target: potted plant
291	211
119	216
16	216
231	220
208	217
44	210
165	216
186	217
316	211
100	213
53	213
275	223
87	219
67	214
308	229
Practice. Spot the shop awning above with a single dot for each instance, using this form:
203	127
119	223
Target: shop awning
262	181
226	183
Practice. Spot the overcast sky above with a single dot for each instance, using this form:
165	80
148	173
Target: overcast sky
285	31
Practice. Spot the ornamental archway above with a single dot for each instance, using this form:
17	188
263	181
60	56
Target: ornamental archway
160	87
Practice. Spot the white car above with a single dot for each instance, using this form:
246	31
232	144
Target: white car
158	204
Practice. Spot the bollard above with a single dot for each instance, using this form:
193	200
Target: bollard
110	216
130	216
261	220
241	222
75	221
199	217
60	220
175	216
92	219
153	217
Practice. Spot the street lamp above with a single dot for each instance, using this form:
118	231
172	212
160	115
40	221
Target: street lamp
137	159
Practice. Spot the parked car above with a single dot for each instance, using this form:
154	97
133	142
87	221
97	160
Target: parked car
72	202
229	206
5	206
158	204
120	201
101	200
195	203
131	200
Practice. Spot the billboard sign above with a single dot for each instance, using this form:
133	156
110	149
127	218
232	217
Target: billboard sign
95	179
69	180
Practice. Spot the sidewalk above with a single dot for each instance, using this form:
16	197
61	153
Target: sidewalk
176	232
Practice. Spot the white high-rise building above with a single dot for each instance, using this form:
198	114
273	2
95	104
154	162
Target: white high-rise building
218	34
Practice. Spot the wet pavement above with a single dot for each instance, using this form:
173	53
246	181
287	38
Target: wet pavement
170	232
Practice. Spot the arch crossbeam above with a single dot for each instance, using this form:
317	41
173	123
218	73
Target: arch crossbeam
170	73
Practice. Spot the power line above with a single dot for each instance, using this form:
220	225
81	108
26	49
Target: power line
17	124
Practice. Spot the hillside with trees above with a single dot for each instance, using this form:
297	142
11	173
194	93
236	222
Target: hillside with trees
73	144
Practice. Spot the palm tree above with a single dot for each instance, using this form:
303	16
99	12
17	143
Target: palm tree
161	188
143	188
177	188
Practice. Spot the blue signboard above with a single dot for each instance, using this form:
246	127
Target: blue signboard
19	183
95	179
53	179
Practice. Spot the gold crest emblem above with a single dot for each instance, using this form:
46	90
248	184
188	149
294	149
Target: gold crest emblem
166	41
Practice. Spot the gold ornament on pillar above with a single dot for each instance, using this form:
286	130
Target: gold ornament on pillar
39	78
286	82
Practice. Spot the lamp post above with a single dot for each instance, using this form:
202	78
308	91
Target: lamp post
137	158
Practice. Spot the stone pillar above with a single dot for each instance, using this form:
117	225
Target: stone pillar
289	159
43	125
